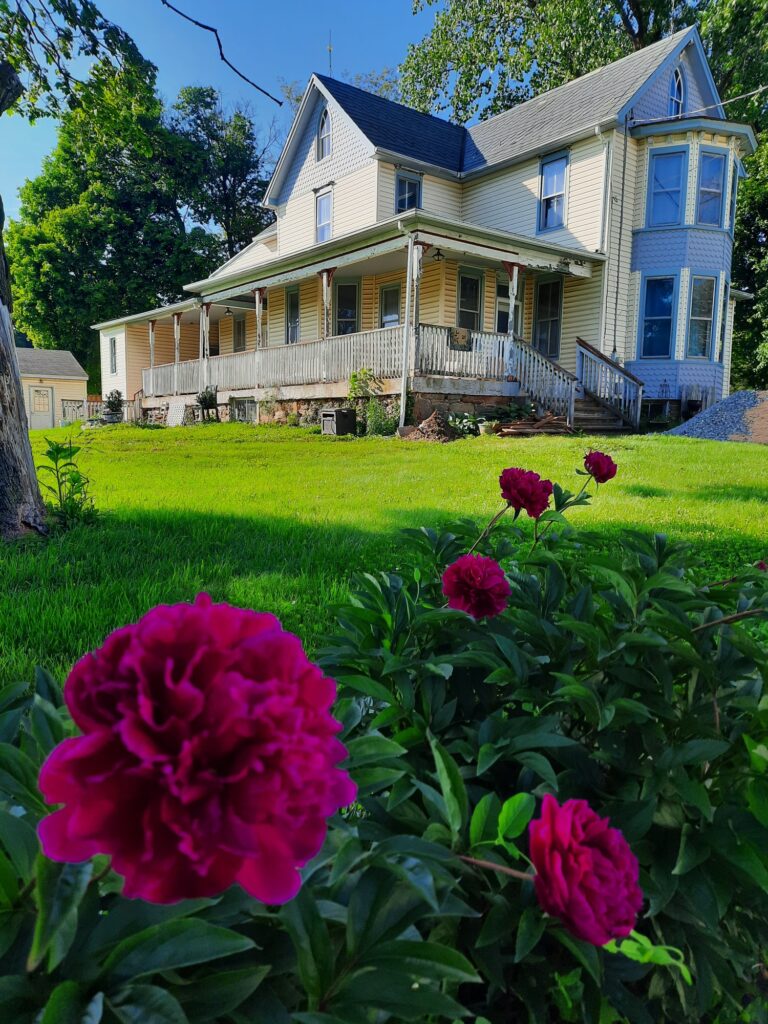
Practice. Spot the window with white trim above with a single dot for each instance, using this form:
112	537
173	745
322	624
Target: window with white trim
658	317
549	304
113	355
238	334
666	188
711	188
292	315
407	192
676	94
470	299
552	203
700	318
723	322
323	212
324	135
389	305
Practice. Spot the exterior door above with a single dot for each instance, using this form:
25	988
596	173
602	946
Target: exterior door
549	301
292	315
40	408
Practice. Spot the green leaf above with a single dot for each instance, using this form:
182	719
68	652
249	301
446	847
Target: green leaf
515	815
172	945
452	785
215	995
424	960
483	825
58	892
368	687
586	954
66	1006
18	778
146	1004
314	952
757	799
372	749
20	841
692	752
530	929
540	765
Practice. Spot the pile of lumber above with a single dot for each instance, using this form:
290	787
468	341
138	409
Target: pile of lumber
547	424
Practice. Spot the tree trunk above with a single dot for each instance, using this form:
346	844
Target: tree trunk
21	507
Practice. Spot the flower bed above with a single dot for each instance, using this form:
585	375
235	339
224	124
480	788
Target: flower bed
552	768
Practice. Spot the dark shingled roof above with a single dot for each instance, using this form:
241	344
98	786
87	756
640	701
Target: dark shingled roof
536	124
49	362
400	129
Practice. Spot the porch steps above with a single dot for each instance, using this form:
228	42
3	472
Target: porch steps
592	417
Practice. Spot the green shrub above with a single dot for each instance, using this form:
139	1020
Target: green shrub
377	422
68	488
364	384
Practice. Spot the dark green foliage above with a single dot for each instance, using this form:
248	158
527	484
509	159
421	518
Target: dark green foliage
377	422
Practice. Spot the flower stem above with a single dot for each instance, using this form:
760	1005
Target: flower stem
736	617
489	527
490	865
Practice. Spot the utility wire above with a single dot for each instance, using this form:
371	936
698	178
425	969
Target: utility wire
227	61
689	113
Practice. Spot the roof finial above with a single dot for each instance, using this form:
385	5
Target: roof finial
330	55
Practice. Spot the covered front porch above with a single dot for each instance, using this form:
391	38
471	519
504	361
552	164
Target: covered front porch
423	310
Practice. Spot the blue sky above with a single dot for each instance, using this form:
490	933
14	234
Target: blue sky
286	39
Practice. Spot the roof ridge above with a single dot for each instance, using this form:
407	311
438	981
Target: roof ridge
385	99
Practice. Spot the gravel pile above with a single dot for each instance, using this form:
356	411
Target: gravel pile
727	420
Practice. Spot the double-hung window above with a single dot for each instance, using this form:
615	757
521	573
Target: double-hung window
701	317
347	307
292	315
323	212
676	93
658	317
407	192
546	331
711	188
470	299
552	202
113	355
666	188
389	305
723	323
238	334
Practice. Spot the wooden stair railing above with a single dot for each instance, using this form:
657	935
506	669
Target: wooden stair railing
609	383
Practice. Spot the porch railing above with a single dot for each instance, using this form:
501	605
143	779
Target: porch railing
609	383
481	354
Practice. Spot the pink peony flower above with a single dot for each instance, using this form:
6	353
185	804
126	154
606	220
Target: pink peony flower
762	565
586	873
476	585
208	756
600	467
524	489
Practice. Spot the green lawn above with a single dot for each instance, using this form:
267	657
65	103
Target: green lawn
278	519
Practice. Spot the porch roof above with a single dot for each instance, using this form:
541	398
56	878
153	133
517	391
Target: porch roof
149	314
390	235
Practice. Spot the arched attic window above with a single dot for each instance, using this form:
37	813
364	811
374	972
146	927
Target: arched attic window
676	93
324	135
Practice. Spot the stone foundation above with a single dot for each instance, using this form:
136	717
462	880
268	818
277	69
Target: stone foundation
476	405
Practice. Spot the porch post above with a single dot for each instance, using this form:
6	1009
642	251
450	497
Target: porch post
206	340
326	276
419	252
176	350
152	355
258	298
512	270
201	351
406	329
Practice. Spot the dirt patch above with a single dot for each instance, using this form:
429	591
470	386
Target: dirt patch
434	428
756	421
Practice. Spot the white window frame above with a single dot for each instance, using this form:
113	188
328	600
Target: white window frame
477	274
238	323
676	100
412	178
113	355
324	137
543	197
394	287
320	226
710	319
717	154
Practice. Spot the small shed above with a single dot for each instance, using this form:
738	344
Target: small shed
55	387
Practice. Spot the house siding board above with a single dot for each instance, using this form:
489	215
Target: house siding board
252	256
581	315
276	315
510	199
438	195
350	150
354	201
63	390
665	379
618	323
701	248
309	309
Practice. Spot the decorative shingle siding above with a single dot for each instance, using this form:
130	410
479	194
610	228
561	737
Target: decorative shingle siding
655	373
701	248
654	101
350	150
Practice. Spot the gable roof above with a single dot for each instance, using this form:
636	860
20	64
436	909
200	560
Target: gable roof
400	129
49	362
599	98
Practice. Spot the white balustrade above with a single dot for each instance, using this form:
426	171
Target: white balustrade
609	382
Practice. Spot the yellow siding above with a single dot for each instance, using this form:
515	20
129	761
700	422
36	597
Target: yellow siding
509	200
276	315
63	390
252	256
310	301
438	195
430	294
619	283
581	315
354	201
137	349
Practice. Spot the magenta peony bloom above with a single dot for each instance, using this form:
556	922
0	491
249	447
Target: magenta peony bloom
762	565
586	873
524	489
208	756
476	585
600	467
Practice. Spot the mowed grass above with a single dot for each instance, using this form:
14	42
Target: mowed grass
279	519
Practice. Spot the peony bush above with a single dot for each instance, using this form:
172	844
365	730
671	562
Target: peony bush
527	780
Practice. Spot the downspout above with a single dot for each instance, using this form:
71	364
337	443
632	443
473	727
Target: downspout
614	352
605	234
406	328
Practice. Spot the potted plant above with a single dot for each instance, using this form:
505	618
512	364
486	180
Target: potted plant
113	407
489	426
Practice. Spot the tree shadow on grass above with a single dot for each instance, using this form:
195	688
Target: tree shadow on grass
61	597
734	492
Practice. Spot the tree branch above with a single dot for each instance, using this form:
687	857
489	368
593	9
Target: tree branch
215	33
736	617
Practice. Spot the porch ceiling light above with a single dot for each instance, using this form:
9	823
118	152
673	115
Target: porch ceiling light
227	311
438	255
